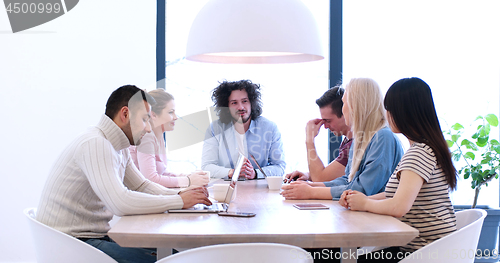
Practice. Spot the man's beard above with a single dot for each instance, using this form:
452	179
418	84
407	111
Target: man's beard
241	120
134	139
138	142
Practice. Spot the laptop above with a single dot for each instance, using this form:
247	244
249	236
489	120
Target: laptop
258	166
216	207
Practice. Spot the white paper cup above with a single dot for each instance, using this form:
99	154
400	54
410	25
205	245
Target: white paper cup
274	182
220	191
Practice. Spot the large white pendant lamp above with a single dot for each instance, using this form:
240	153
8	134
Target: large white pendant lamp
254	32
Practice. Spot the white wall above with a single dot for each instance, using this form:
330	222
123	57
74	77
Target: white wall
54	82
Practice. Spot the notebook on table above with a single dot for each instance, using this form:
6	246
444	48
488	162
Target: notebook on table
216	207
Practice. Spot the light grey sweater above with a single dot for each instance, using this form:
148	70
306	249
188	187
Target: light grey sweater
95	178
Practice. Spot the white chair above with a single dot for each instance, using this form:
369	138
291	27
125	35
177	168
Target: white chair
242	253
53	246
457	247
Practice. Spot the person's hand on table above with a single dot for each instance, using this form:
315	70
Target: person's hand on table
356	201
298	190
194	195
199	178
312	129
247	170
296	175
342	200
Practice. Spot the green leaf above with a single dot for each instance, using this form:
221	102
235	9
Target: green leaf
455	137
450	143
481	144
457	126
486	159
475	135
482	132
466	176
487	128
465	142
469	155
479	118
494	142
469	145
492	119
476	176
482	141
456	157
496	148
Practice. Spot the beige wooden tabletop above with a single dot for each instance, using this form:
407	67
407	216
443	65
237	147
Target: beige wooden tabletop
276	221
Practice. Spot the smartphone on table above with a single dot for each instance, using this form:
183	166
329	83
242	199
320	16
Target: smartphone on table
237	214
310	206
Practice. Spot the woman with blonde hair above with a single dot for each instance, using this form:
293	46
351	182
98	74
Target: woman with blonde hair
374	153
150	156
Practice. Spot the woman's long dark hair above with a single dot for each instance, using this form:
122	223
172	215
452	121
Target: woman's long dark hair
410	103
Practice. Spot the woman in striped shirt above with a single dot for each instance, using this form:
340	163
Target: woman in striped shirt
418	190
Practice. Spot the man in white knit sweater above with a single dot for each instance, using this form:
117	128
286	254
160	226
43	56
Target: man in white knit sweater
95	178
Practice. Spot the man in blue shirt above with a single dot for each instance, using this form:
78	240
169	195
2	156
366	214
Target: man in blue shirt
241	129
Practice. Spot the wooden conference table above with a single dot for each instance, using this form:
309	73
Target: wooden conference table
276	221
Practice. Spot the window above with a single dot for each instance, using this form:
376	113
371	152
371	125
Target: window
289	91
452	45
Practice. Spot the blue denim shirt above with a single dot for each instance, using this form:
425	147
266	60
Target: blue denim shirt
263	142
380	159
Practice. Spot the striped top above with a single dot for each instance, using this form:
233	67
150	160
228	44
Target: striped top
432	213
95	178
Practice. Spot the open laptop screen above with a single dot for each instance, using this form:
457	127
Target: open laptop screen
234	179
258	166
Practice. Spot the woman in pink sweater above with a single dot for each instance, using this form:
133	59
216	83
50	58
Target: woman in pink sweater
151	157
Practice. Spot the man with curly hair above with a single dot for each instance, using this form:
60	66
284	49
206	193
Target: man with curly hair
241	129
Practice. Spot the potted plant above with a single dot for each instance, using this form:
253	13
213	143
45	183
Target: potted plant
481	156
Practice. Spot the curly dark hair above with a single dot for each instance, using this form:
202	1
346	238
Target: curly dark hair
220	97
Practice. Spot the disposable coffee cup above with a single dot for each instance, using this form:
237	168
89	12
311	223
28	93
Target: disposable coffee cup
274	182
220	191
